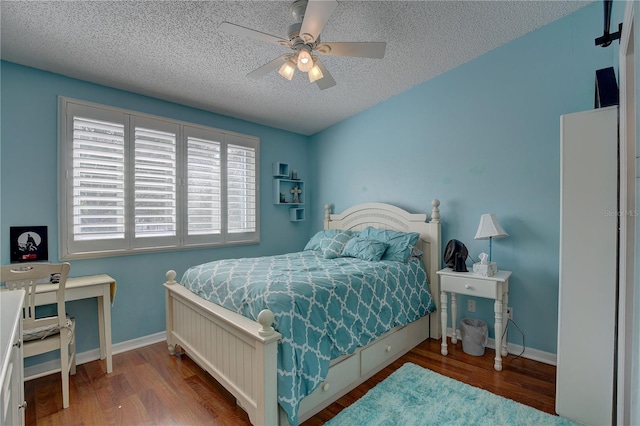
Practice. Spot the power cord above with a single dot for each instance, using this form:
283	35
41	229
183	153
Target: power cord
504	333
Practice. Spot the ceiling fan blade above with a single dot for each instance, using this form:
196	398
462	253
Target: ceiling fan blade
373	49
268	67
315	18
326	81
248	32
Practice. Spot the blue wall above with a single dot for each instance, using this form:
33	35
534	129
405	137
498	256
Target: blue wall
29	195
483	138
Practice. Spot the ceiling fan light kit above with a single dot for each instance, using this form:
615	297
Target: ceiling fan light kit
305	63
304	39
287	69
315	74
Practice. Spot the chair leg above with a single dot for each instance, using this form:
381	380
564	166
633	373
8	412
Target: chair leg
64	366
72	348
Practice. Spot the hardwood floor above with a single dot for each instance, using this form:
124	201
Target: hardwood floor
148	386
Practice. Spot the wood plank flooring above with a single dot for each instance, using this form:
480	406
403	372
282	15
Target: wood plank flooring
149	387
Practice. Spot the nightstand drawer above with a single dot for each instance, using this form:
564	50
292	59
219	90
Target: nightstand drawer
470	286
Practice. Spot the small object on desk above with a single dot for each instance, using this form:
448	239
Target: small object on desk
485	268
461	265
452	251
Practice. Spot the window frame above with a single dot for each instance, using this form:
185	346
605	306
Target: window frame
71	249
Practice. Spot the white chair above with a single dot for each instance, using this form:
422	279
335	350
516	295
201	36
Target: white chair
49	332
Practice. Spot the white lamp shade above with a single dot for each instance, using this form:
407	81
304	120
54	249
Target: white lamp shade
315	74
305	63
489	228
287	69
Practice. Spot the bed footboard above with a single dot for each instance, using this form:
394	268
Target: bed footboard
238	352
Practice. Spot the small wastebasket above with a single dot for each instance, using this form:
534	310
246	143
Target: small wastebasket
474	336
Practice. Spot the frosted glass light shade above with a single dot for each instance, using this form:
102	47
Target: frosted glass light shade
489	228
305	63
315	74
287	69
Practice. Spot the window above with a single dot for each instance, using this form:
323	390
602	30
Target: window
136	183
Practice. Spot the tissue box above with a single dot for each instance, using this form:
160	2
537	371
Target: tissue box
485	270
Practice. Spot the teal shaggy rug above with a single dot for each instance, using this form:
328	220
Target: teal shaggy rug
413	395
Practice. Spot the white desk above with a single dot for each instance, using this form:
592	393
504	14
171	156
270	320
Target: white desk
470	284
102	287
12	405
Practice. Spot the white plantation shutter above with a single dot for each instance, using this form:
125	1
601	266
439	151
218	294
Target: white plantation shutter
241	189
154	178
204	187
98	180
136	183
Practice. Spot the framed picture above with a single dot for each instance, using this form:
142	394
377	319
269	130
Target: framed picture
29	244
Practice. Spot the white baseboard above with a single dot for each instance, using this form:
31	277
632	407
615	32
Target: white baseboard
46	368
513	349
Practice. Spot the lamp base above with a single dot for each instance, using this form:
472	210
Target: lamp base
488	270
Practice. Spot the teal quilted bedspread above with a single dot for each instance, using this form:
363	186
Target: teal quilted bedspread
324	308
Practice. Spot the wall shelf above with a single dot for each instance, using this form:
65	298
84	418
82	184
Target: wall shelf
296	214
283	187
281	170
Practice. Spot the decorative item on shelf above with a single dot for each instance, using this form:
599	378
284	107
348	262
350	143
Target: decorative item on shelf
489	228
282	200
295	191
294	175
484	268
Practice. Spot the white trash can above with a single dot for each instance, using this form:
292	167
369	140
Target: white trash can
474	336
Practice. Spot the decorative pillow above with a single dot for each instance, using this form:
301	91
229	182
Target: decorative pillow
361	248
314	242
400	243
331	247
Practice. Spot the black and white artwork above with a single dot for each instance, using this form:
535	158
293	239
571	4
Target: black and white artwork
29	244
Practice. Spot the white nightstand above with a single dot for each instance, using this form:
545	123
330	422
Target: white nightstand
470	284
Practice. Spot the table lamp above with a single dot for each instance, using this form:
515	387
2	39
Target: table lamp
489	228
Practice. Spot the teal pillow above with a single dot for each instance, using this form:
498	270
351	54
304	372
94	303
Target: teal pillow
332	246
314	242
364	249
400	243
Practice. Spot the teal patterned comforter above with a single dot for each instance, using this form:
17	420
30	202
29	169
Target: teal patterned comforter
324	308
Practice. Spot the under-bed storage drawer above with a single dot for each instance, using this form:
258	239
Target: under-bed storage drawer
383	350
340	375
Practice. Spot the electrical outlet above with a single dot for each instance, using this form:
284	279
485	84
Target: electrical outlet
471	305
509	312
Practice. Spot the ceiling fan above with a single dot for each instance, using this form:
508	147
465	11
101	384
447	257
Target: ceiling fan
304	40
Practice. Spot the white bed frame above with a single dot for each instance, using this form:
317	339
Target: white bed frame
241	354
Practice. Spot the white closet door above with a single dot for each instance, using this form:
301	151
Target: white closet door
588	266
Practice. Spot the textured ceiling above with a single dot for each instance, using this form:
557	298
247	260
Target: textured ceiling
172	50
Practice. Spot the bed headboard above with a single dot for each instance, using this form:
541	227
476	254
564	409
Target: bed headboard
386	216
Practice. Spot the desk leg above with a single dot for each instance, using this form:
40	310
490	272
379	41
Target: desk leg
104	328
454	318
498	331
443	322
505	318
